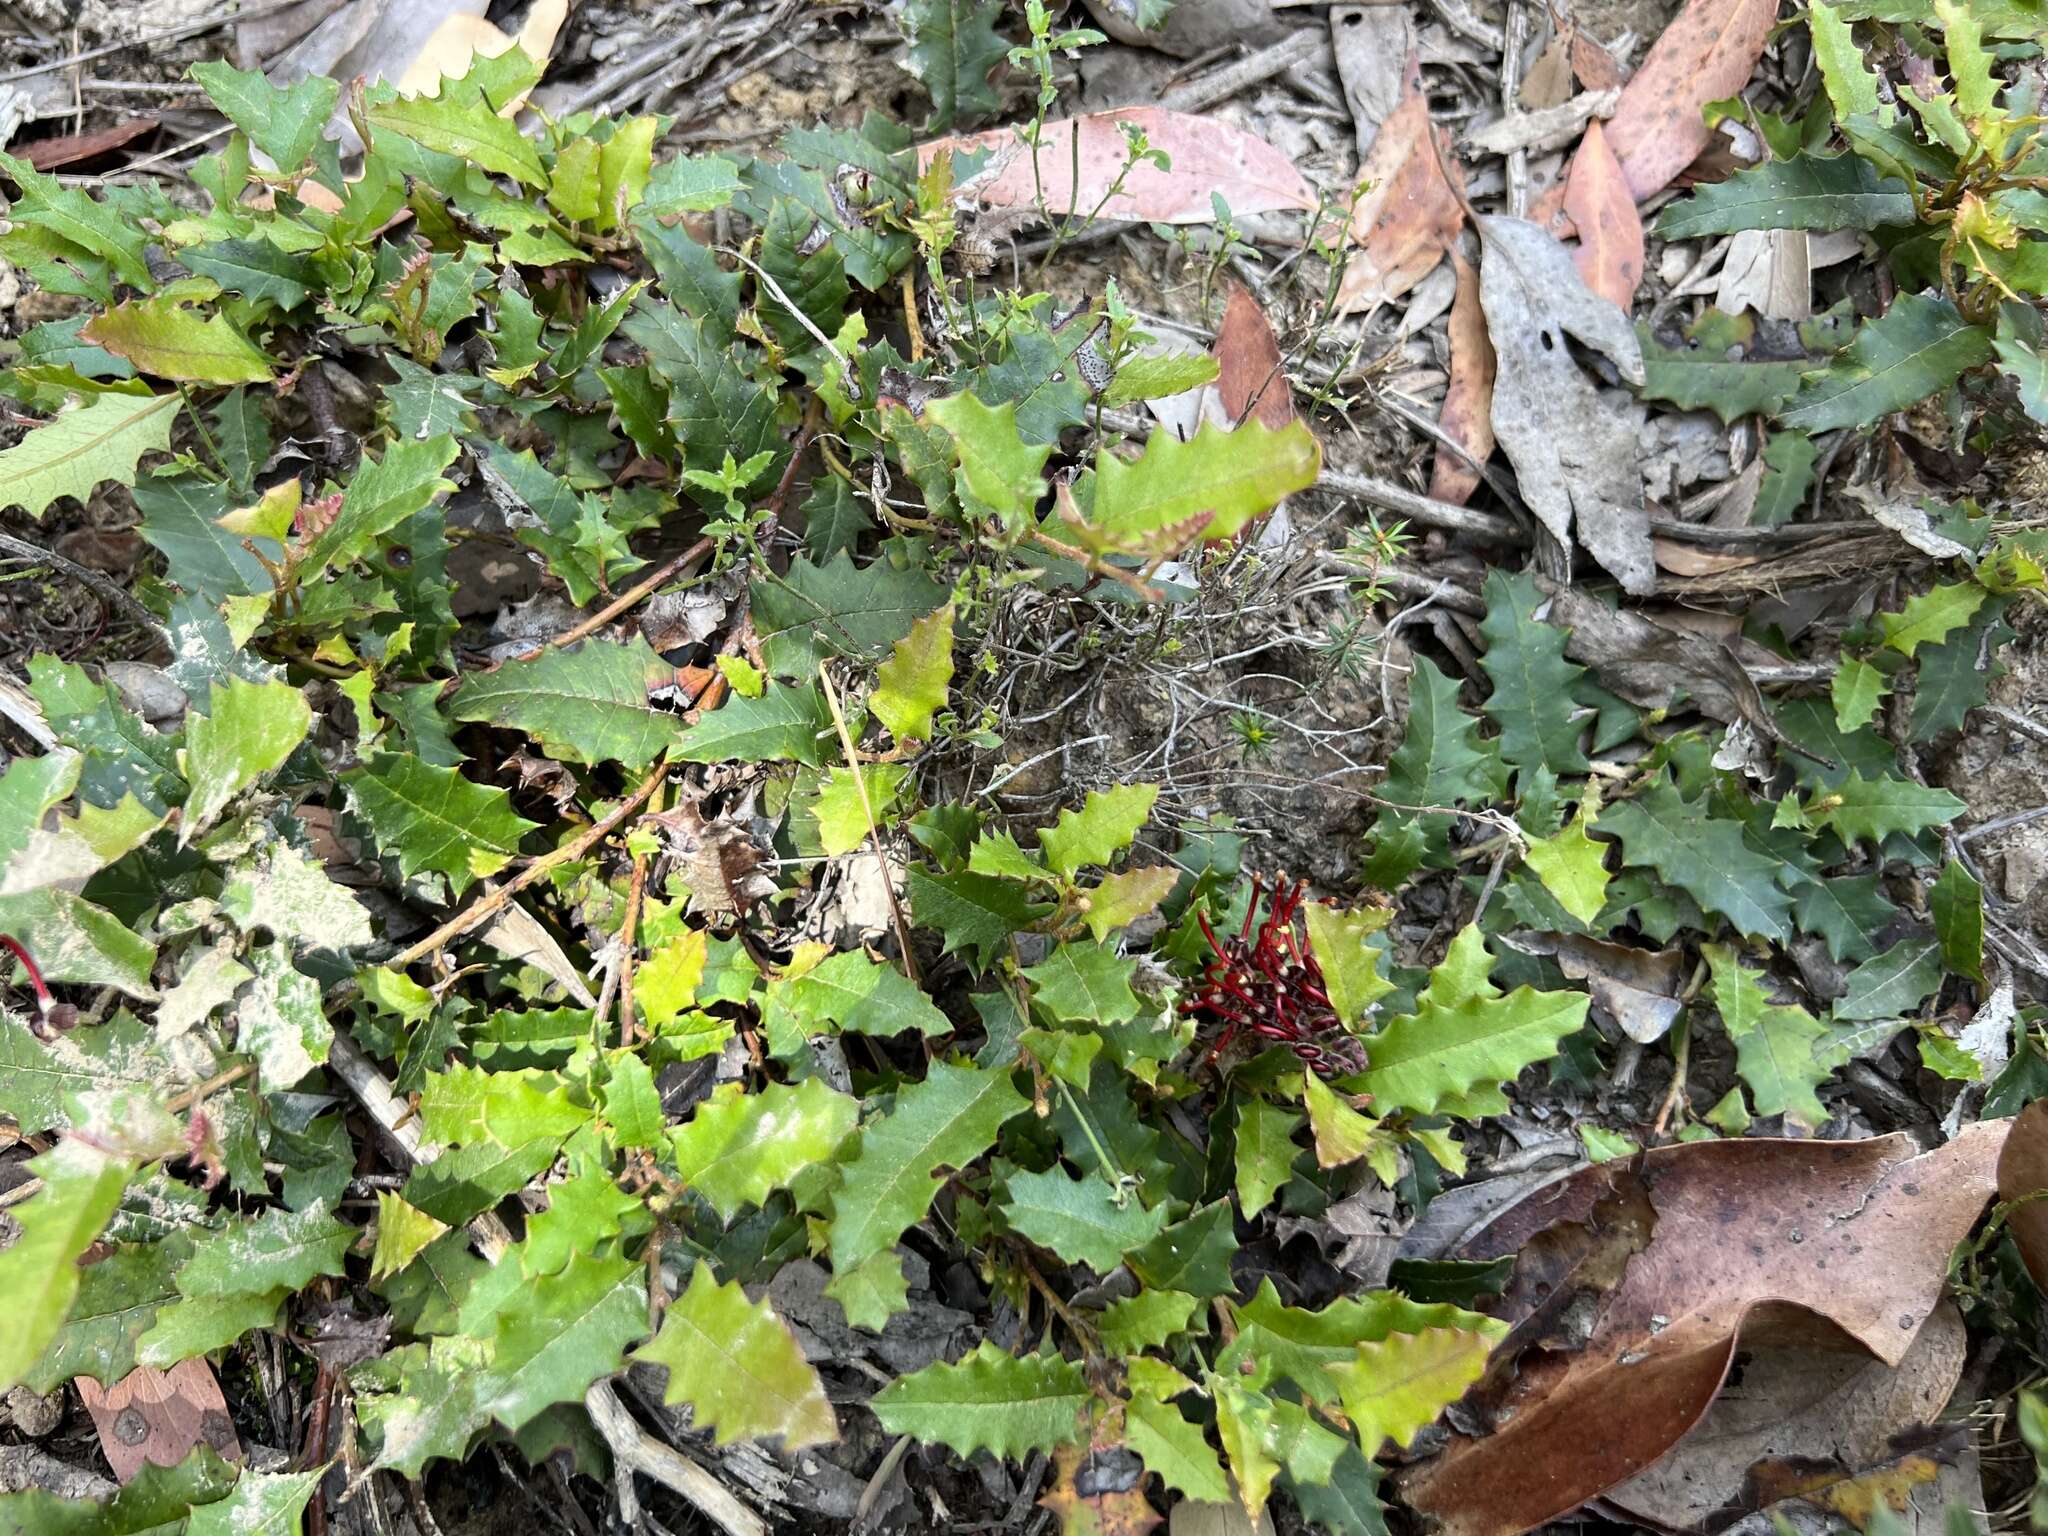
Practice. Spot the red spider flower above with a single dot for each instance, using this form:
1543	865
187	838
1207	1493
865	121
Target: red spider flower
52	1017
1266	981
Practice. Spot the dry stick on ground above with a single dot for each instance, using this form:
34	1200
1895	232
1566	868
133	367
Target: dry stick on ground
632	1448
149	40
111	593
1254	69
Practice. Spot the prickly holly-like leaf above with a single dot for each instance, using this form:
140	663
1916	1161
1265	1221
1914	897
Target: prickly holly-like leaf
1873	809
976	913
118	1299
285	122
39	1272
853	994
88	443
1465	1035
738	1148
1338	937
1931	617
1300	1345
785	724
198	1326
1847	912
847	796
1147	376
632	1107
466	126
1101	829
76	220
1079	1219
1918	346
1857	690
1701	374
281	1020
247	730
1145	1321
954	46
402	1231
1706	858
1176	1449
260	1503
574	1330
1231	477
998	469
1082	982
1957	904
1892	984
691	183
279	1249
734	1362
1532	681
1393	1387
997	855
1808	191
1953	677
588	705
163	338
470	1105
382	494
1265	1153
1778	1049
910	687
714	407
1192	1255
837	609
1851	84
990	1401
1440	761
1122	898
946	1121
433	818
873	1291
1789	458
1573	869
585	1212
1342	1134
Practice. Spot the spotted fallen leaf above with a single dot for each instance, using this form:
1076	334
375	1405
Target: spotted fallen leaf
1467	415
1406	214
1707	54
1856	1233
1207	156
1596	195
153	1417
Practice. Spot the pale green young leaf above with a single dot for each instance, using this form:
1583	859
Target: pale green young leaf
1969	65
667	983
997	855
1083	982
1216	480
1573	869
1779	1050
565	1335
1932	616
1264	1154
736	1365
631	1104
872	1292
585	1212
469	1105
851	993
1393	1387
587	705
910	687
163	338
1300	1345
1122	898
382	494
284	122
1176	1449
39	1271
945	1121
737	1148
466	127
1857	689
88	443
624	163
1851	84
1102	828
432	818
1957	904
842	810
1079	1219
402	1231
260	1503
1342	1134
989	1401
247	730
997	467
691	184
1338	936
1146	1320
1159	376
277	1250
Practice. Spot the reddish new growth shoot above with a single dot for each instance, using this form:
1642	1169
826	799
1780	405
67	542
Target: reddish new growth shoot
52	1017
1265	981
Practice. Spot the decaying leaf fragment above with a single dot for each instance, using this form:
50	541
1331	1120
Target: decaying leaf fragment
1573	446
1707	53
1467	415
1407	212
1855	1233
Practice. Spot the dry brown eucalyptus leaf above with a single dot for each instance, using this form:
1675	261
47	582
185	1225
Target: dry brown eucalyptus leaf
1467	415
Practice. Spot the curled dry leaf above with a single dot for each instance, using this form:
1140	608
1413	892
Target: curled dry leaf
1467	416
1610	252
1706	54
1251	377
1406	214
1207	154
1637	988
1854	1233
1573	446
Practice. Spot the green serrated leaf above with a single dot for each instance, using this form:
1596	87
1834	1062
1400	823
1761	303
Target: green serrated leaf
1301	1345
1192	1255
1957	904
1891	985
998	469
1265	1153
567	1334
1932	616
785	724
837	609
1808	191
847	795
260	1503
910	687
90	442
382	494
587	705
872	1292
946	1121
1860	809
1532	681
1857	689
1176	1450
468	1105
954	46
1146	1320
466	126
198	1326
1226	478
402	1231
1393	1387
736	1365
1918	346
248	730
851	993
990	1401
1851	84
39	1271
278	1250
738	1148
1085	983
1848	913
1708	859
284	122
1079	1219
1118	900
976	913
431	818
1101	829
1779	1050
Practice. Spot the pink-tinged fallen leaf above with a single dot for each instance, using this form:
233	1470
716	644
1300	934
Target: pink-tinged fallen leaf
151	1416
1407	213
1467	416
1706	54
1596	195
1251	379
1208	156
1592	63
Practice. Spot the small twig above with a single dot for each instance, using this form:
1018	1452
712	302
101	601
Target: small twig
148	40
184	1101
109	592
867	809
634	594
1296	48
